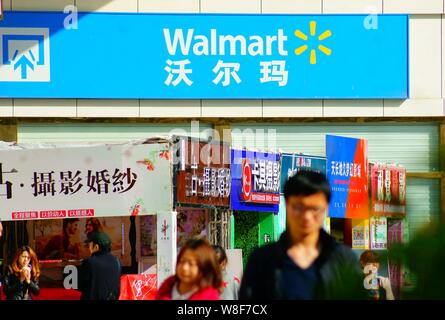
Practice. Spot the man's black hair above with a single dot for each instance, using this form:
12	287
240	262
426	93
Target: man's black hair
307	183
102	240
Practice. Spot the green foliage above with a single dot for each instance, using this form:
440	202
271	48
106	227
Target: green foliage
246	232
424	257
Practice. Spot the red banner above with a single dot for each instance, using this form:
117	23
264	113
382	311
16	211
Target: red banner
265	198
138	287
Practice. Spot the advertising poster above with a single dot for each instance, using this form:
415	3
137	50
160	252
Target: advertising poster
64	239
82	182
255	181
347	172
148	240
379	235
291	163
360	234
395	236
388	185
191	222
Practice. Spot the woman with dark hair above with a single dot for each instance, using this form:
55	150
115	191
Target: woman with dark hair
62	246
21	279
92	225
198	275
230	282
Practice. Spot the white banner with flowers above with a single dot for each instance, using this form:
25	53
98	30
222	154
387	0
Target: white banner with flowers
104	180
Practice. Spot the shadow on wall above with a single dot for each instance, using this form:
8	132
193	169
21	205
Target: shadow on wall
67	7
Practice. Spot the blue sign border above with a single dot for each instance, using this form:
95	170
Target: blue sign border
102	84
236	171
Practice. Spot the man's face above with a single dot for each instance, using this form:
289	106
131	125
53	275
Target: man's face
305	214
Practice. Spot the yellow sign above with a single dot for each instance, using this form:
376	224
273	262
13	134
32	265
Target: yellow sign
360	233
313	55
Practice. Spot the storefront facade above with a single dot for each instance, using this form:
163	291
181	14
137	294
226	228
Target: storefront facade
405	127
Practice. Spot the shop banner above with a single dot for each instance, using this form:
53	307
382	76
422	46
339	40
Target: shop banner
360	234
255	181
379	233
388	187
166	245
203	173
203	56
99	181
138	287
291	163
347	172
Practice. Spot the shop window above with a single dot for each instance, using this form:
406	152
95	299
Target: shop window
219	227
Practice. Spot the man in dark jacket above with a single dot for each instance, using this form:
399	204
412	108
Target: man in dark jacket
99	276
306	263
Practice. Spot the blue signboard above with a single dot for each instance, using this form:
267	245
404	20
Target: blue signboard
203	56
347	172
291	163
255	181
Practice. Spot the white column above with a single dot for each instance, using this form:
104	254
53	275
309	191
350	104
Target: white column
166	247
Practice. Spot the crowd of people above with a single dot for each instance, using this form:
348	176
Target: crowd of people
306	263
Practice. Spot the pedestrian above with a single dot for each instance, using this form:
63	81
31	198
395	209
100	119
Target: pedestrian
99	275
21	281
197	277
1	229
378	287
230	282
306	263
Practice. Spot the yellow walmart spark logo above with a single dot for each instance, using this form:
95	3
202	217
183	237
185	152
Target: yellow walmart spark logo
321	37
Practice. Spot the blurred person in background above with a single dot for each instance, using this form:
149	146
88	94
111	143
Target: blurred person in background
197	277
306	263
424	260
230	282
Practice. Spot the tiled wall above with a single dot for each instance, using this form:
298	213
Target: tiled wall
427	85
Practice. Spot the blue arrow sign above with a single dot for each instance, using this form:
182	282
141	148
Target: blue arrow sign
24	63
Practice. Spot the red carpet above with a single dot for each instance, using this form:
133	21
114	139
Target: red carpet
57	294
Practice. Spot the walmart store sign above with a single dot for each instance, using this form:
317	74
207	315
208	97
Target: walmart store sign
171	56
